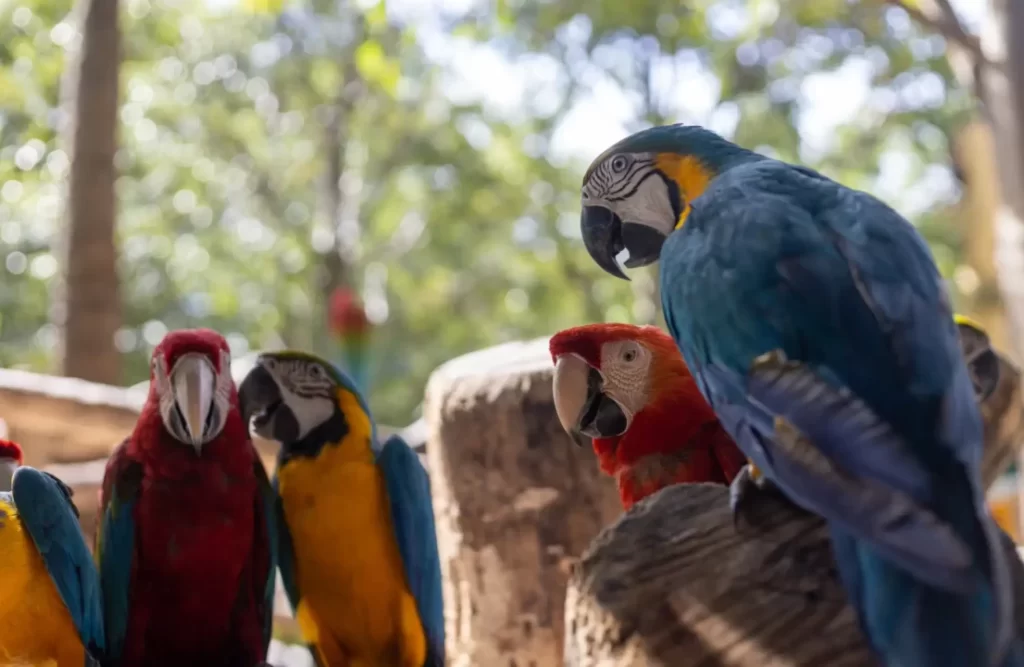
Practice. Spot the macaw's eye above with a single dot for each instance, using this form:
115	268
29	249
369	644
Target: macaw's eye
619	164
316	372
630	353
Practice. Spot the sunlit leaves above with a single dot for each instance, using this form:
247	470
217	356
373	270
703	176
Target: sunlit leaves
469	235
376	67
263	6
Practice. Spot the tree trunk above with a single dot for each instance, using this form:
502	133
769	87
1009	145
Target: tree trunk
89	301
1001	90
515	500
1002	93
338	262
978	210
673	584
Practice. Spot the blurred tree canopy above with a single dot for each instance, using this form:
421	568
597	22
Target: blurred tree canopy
451	211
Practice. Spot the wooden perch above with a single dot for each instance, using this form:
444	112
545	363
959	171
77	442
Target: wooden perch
673	584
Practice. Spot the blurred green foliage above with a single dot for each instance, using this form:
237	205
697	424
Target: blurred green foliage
462	223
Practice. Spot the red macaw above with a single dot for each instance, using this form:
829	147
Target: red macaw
186	543
628	389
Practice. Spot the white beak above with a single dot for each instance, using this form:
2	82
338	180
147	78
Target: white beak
570	392
193	380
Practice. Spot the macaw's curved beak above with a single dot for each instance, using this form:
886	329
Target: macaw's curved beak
605	235
602	236
193	381
583	409
262	403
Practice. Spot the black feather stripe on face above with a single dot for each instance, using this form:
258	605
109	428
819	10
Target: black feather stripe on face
675	196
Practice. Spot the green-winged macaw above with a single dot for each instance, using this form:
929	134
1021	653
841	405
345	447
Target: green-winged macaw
358	550
819	329
186	541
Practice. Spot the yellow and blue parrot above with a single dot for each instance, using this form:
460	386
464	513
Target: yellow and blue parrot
819	329
49	590
358	549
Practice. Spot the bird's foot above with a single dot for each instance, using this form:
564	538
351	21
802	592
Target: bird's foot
754	500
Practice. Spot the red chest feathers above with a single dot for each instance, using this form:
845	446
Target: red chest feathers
194	541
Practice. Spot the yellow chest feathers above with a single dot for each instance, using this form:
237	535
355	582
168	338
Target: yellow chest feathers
354	597
35	626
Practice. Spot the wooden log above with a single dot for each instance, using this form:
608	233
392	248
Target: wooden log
59	419
1003	412
514	501
673	584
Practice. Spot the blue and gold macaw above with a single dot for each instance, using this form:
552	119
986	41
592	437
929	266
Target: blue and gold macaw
819	329
358	552
49	590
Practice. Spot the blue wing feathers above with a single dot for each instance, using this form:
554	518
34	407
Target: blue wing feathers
48	516
899	526
285	553
268	499
778	258
116	554
413	516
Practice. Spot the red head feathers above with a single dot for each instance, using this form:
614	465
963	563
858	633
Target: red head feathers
11	451
191	387
628	389
178	343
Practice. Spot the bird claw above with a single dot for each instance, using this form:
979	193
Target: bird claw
748	494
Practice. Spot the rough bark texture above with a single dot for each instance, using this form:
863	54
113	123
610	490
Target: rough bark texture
673	584
90	302
515	500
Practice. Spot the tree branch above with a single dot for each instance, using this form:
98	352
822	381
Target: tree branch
949	26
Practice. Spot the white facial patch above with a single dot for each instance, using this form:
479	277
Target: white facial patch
649	205
221	398
624	366
309	411
222	394
306	389
630	187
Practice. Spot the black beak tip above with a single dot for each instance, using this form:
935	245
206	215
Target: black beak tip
256	391
602	236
